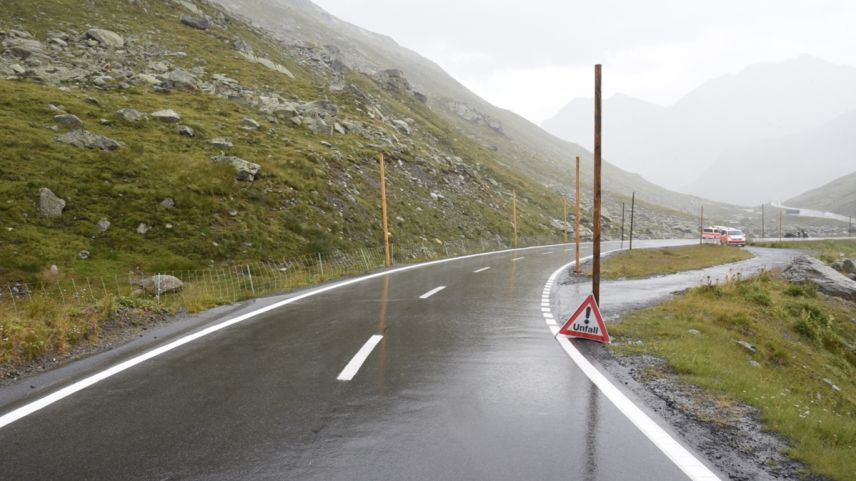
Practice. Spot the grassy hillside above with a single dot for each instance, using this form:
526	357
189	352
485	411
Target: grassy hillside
838	196
308	198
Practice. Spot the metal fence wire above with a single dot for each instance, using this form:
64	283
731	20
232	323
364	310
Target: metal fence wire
227	284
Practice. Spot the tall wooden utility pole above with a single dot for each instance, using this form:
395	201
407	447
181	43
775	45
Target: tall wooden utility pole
514	215
762	220
780	225
701	227
632	212
595	272
577	220
387	257
565	218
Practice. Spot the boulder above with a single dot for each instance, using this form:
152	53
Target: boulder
181	80
185	131
142	229
131	115
168	203
84	254
145	79
828	280
106	38
50	205
249	124
221	143
402	126
848	266
23	48
242	46
168	116
69	121
200	23
161	284
102	225
86	139
247	171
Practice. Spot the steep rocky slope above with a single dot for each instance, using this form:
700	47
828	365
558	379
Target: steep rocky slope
169	135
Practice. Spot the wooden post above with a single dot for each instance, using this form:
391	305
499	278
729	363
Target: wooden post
632	211
780	225
849	226
387	258
595	272
577	220
514	214
701	227
565	218
762	220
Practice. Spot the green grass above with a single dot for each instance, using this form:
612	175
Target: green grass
828	251
802	338
641	263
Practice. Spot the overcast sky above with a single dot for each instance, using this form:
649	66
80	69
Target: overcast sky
534	56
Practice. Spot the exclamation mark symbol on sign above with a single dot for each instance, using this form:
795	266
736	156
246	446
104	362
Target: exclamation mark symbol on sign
588	314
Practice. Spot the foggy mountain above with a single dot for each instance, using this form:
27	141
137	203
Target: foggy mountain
838	196
779	168
672	145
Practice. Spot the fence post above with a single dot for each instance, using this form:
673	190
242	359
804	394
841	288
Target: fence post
365	261
250	274
157	287
321	264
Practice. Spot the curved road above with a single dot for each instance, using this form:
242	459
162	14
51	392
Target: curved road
466	383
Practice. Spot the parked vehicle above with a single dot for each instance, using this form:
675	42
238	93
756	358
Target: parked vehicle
712	234
733	237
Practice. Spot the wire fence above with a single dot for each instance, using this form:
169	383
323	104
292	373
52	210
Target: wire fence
196	289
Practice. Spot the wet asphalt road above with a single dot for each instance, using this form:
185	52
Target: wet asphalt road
467	384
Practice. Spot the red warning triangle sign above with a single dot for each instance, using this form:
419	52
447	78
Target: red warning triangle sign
586	323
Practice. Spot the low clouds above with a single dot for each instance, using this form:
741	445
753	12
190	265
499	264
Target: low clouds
532	57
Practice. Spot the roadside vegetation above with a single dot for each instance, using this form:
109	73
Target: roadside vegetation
798	369
828	251
640	263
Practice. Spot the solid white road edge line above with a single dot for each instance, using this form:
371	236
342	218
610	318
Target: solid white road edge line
432	292
359	358
480	270
43	402
683	459
517	259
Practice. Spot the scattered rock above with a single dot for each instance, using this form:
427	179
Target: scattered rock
168	203
86	139
249	124
185	131
54	269
221	143
745	345
392	79
18	69
161	284
50	205
267	63
754	363
326	144
145	79
247	171
69	121
828	280
242	46
200	23
832	385
168	116
694	332
84	254
106	38
131	115
102	225
402	126
142	229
